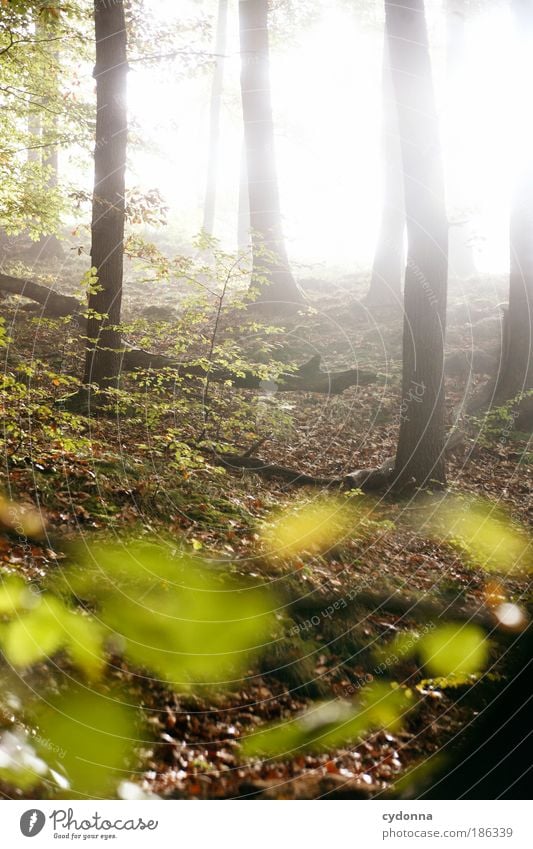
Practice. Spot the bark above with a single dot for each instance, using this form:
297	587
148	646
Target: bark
39	122
421	443
102	362
34	153
214	119
368	480
389	259
271	276
54	304
461	251
49	246
516	376
243	215
34	132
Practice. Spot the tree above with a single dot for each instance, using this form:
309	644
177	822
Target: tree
389	258
43	126
29	205
243	214
516	374
420	451
102	362
271	275
461	252
214	119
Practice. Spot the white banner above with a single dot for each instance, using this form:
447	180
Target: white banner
254	824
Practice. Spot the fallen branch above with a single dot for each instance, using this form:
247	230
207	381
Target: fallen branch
369	480
366	479
308	378
54	304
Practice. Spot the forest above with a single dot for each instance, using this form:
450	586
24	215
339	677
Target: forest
266	323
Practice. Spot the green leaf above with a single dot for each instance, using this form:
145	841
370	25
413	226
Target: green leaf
15	595
454	650
35	636
49	627
172	616
95	733
492	539
329	725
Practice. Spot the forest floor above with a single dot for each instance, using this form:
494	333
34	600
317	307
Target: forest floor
112	477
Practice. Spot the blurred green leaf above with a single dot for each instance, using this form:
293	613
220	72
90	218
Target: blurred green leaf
83	639
309	526
172	616
48	627
36	635
330	725
95	733
485	531
15	595
454	650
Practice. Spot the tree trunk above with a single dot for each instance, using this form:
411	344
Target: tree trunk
420	452
39	122
389	258
214	119
102	361
461	252
34	153
34	133
49	246
516	376
271	276
243	215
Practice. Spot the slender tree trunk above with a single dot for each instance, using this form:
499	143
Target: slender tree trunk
420	452
102	361
214	119
271	276
34	132
50	246
516	376
461	252
243	215
389	259
41	123
34	118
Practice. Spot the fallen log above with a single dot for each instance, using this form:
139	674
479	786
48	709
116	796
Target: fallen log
366	479
54	304
271	470
307	378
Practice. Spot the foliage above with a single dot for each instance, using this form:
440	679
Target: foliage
41	111
312	526
454	650
329	725
29	414
482	530
169	616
